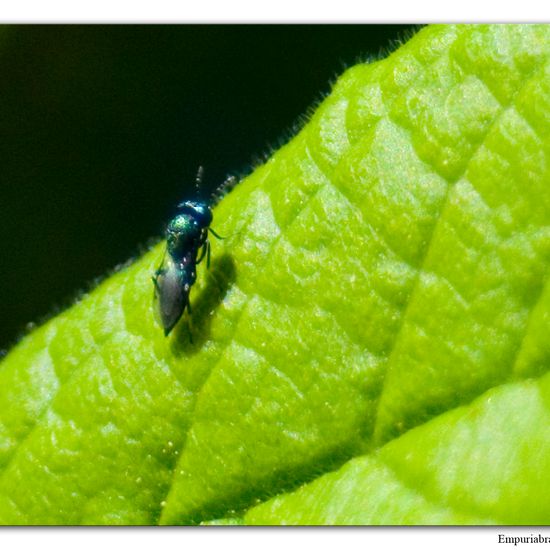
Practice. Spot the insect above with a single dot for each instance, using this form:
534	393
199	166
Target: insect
186	246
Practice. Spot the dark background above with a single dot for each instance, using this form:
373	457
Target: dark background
103	127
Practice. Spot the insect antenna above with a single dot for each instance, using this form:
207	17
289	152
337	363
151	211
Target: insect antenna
223	189
198	181
198	186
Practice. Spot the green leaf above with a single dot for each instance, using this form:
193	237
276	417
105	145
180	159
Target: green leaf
487	462
375	326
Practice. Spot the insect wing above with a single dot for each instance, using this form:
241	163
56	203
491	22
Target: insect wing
170	294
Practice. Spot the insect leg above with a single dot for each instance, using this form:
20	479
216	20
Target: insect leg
207	244
155	282
215	234
202	253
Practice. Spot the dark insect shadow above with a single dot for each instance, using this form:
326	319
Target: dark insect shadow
194	330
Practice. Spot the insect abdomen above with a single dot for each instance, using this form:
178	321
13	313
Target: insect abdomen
172	285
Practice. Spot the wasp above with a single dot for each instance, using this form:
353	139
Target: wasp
187	245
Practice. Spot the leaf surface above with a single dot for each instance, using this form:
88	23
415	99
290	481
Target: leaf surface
374	329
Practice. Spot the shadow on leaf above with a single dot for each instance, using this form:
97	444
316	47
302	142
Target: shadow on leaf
194	330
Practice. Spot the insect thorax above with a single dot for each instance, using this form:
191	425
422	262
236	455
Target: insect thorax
183	235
